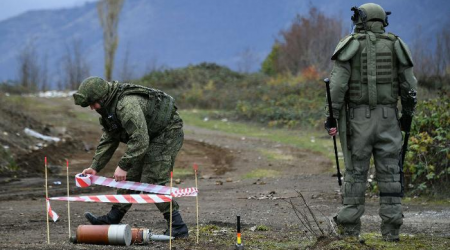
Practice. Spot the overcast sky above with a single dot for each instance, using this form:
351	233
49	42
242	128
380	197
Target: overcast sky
10	8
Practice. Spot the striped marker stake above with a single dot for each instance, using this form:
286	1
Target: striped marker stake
239	245
170	224
68	196
196	198
46	202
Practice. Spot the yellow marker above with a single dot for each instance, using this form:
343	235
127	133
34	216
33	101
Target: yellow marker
239	245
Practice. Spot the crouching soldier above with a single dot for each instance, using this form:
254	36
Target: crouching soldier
146	120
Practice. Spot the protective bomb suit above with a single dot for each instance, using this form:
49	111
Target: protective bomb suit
147	121
371	70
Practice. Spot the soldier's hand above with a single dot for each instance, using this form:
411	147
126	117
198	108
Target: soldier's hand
89	171
119	174
330	125
332	131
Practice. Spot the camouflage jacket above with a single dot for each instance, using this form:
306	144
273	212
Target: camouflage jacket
134	116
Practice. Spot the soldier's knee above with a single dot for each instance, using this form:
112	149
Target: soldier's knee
354	188
389	184
350	214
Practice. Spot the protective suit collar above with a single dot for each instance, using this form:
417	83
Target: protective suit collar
374	26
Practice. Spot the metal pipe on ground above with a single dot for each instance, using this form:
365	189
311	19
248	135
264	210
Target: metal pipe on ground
144	236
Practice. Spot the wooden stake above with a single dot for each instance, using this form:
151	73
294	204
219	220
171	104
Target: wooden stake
46	203
196	198
68	195
170	223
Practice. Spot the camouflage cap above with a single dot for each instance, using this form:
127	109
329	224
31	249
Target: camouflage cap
91	90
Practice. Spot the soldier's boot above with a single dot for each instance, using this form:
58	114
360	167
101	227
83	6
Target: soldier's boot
348	230
179	228
390	232
391	235
112	217
391	216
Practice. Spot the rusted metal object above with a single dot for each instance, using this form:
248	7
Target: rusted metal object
104	234
137	235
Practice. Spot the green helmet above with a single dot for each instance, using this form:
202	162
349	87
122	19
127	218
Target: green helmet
92	89
370	12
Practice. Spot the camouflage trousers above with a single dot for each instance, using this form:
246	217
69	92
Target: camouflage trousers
373	132
156	166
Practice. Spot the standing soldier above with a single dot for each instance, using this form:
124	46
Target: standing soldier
371	69
147	121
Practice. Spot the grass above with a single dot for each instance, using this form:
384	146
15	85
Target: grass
308	139
262	228
6	157
51	112
264	238
276	155
426	200
304	139
261	173
180	173
407	242
30	104
83	116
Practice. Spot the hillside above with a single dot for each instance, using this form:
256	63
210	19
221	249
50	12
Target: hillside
178	33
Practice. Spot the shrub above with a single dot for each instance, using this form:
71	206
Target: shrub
283	100
427	168
206	85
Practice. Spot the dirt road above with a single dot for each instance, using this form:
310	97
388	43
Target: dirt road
228	187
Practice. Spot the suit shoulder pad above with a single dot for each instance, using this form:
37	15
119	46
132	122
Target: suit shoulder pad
346	49
403	53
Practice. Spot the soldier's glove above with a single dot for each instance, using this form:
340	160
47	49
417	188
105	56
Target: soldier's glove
330	123
405	123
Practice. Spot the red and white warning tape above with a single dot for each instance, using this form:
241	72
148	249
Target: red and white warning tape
162	192
87	180
51	213
129	198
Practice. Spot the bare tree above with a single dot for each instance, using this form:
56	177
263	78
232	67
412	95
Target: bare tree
108	12
431	59
126	72
44	84
75	66
442	57
446	45
153	65
309	42
247	60
29	67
